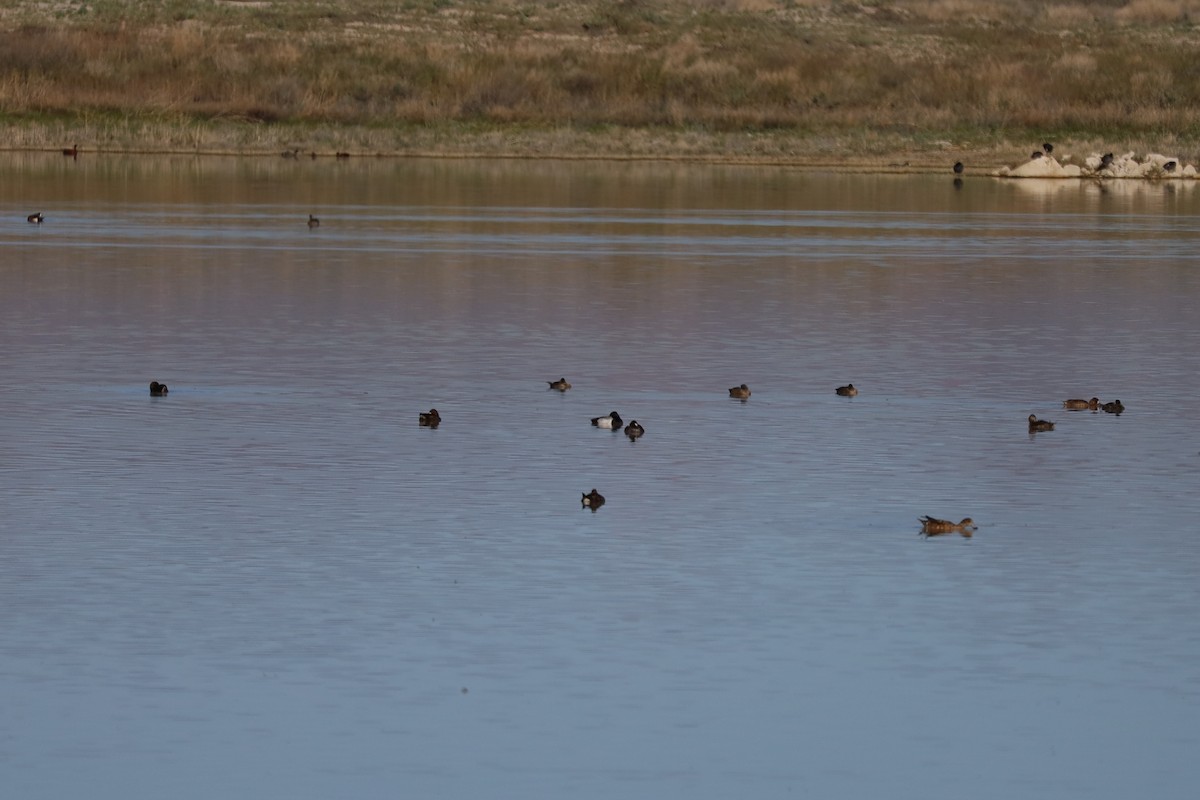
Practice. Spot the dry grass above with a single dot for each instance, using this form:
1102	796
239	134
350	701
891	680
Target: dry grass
774	79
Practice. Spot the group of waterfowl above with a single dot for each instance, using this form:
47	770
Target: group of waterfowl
1113	407
1075	404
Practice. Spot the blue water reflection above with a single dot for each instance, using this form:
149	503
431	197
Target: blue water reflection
273	581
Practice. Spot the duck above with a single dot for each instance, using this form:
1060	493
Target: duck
612	421
560	384
1169	166
72	151
1035	155
1049	148
958	168
932	526
847	391
592	500
1036	424
633	430
1082	405
1106	160
740	392
430	419
36	219
341	154
1115	407
313	222
158	389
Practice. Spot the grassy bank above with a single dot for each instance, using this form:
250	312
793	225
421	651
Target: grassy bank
801	81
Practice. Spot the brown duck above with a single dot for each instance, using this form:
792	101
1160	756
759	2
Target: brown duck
932	526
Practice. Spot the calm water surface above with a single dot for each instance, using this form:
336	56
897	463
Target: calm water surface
274	583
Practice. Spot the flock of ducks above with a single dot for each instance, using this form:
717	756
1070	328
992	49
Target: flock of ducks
634	430
930	526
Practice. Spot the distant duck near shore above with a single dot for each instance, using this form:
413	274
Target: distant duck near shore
36	219
72	151
313	222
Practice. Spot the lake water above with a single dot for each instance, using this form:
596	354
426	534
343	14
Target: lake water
274	583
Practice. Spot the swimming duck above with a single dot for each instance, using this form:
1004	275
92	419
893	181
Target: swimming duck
1115	407
430	419
36	219
932	526
1036	424
72	151
592	500
633	430
612	421
740	392
847	391
1082	405
157	389
560	384
313	222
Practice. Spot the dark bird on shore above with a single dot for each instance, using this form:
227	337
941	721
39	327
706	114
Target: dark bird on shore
1035	155
592	500
313	222
1169	166
560	384
612	421
1049	148
932	526
72	151
36	219
1036	424
430	419
157	389
740	392
847	391
958	168
633	430
1106	160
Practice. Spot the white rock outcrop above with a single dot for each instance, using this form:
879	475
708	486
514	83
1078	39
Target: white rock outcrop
1043	167
1126	165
